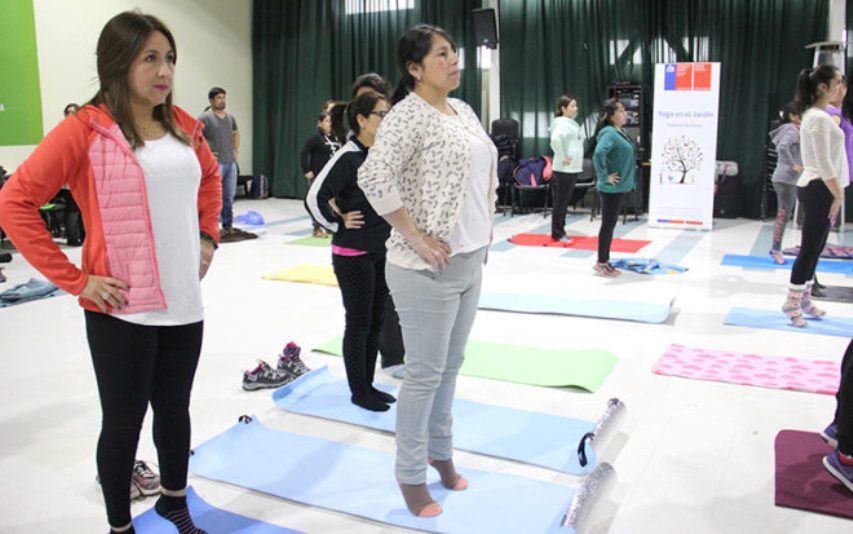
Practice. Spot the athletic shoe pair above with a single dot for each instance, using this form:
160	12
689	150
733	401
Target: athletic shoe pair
606	270
832	462
289	367
143	481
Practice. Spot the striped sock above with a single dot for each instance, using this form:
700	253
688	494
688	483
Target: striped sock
175	510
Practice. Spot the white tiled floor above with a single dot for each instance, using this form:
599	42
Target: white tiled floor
691	456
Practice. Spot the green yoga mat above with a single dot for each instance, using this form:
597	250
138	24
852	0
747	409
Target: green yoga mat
584	368
312	241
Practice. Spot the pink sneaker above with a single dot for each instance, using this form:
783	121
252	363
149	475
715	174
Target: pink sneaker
606	270
778	257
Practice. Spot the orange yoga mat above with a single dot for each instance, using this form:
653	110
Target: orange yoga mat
580	243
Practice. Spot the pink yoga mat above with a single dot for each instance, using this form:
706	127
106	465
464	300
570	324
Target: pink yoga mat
801	480
577	242
750	369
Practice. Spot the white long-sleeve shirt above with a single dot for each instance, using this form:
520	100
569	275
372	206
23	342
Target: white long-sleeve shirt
822	149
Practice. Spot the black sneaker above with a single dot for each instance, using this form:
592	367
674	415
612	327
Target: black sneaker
290	362
263	376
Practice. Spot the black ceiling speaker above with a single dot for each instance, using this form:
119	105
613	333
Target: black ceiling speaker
485	28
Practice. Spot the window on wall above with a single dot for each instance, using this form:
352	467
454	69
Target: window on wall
356	7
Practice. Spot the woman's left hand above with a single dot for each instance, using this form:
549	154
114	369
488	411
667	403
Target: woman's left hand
207	251
353	220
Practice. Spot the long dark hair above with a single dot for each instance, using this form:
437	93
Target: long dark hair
605	118
807	85
562	102
120	43
413	46
345	115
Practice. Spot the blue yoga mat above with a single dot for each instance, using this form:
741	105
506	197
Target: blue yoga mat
644	312
766	262
776	320
535	438
208	518
360	481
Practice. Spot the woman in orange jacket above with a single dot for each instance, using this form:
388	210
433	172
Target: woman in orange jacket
149	191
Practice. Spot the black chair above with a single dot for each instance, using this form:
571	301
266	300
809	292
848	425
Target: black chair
584	184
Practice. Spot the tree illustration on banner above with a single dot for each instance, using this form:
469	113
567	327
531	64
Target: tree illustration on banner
681	154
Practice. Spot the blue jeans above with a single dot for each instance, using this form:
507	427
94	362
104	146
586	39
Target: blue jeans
437	311
229	189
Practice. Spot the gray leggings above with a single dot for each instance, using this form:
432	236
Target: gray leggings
786	199
437	311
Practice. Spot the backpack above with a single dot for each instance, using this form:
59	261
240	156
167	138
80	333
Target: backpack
260	187
533	172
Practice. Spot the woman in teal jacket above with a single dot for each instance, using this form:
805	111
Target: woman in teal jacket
567	144
615	161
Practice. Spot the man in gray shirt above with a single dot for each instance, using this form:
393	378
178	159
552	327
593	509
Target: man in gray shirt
220	130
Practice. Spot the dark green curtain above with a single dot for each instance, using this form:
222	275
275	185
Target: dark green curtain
550	47
305	52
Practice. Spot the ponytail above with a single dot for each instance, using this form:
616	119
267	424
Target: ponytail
807	86
405	86
337	113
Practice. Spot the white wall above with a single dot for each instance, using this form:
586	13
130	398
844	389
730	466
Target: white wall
213	39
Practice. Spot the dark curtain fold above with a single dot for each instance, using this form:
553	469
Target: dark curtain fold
550	47
305	52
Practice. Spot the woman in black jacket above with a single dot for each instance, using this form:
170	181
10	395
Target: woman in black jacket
358	245
316	152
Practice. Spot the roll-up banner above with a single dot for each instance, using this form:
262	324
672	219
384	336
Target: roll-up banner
684	145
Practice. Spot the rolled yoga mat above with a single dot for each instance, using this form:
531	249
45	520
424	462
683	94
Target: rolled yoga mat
766	262
641	311
323	275
585	368
776	372
827	325
802	482
360	482
550	441
311	241
208	518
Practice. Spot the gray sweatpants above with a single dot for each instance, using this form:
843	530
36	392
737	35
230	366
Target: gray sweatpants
436	312
786	200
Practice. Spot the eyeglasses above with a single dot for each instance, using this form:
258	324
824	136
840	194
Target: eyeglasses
380	114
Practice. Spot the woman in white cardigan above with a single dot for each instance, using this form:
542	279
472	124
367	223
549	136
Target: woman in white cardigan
432	174
820	188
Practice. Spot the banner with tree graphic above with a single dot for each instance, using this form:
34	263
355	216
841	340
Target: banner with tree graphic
20	94
684	145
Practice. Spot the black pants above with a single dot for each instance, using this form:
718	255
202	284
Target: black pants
364	292
611	205
135	365
391	349
564	187
815	201
844	407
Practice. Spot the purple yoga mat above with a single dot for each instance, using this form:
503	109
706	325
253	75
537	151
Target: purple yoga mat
801	480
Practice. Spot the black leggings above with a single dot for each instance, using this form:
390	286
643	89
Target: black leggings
564	187
135	365
364	292
815	201
844	407
391	349
611	205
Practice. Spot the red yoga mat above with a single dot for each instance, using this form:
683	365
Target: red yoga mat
801	480
580	243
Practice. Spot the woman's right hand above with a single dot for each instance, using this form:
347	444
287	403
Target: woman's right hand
433	251
104	292
567	160
613	178
834	209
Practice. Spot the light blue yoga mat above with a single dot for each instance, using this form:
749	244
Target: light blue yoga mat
766	262
776	320
531	437
360	481
208	518
644	312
